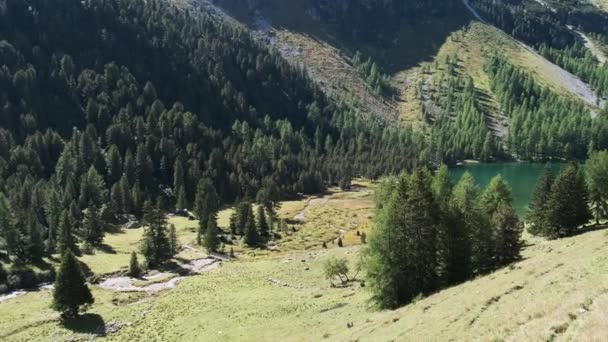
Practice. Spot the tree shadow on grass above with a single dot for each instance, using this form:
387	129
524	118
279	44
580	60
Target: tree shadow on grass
106	248
86	324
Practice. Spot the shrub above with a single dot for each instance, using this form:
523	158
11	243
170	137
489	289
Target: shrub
335	268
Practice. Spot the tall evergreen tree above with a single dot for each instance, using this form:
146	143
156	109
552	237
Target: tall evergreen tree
93	231
8	229
252	237
206	204
173	242
134	268
156	247
596	170
65	236
35	246
262	223
569	203
538	216
70	291
212	239
53	217
508	230
401	258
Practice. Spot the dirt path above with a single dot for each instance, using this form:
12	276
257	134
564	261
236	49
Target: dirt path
125	284
313	203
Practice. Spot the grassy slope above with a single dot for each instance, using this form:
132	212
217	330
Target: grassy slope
559	290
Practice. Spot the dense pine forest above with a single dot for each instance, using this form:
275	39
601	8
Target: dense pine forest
149	103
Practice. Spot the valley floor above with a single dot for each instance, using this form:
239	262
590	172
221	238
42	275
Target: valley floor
559	291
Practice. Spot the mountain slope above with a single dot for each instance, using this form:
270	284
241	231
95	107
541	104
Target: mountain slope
413	53
558	292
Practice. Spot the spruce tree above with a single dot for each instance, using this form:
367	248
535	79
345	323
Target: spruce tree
53	217
469	219
596	170
538	215
206	204
212	239
155	246
134	268
92	226
71	291
401	257
569	203
8	228
508	230
252	237
173	243
65	237
495	193
35	245
262	223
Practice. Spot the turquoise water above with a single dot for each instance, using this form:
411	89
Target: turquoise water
522	178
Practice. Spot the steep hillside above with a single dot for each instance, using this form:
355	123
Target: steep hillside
558	292
415	55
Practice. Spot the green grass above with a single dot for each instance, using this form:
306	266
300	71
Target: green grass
559	290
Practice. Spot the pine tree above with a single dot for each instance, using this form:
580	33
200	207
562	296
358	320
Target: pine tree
262	223
495	193
71	291
182	201
212	239
134	268
53	217
156	244
179	185
508	230
463	215
401	257
206	204
93	226
252	237
173	243
114	165
539	204
35	245
596	170
65	237
569	203
8	228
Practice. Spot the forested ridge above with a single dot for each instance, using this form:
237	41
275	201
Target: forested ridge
108	106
